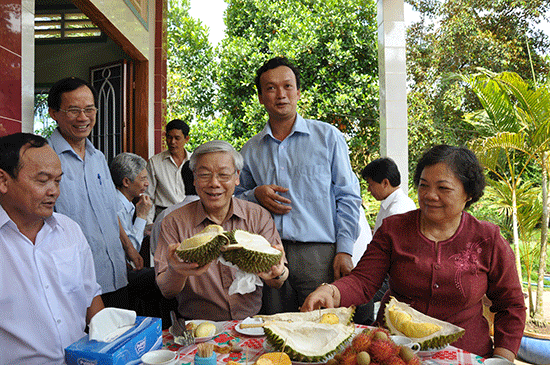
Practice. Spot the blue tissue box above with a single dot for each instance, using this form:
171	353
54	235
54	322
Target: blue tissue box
145	336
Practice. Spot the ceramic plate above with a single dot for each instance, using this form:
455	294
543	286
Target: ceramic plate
255	331
219	328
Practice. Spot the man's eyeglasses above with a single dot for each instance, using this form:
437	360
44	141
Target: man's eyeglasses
75	112
207	176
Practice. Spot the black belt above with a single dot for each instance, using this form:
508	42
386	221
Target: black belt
293	242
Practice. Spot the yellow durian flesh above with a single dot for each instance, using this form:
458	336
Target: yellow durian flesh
204	246
403	323
429	332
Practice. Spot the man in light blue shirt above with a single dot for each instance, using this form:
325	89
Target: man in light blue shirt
300	171
130	178
88	194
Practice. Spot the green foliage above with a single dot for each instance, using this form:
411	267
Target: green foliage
336	56
190	85
42	119
459	36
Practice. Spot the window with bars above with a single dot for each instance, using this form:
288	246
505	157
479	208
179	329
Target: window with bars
65	24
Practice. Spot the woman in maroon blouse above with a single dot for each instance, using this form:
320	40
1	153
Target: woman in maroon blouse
441	260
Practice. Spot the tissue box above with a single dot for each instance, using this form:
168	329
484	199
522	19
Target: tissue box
145	336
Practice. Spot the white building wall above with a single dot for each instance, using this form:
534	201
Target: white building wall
27	66
393	84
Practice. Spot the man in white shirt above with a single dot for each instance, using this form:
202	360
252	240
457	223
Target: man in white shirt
166	186
383	179
47	277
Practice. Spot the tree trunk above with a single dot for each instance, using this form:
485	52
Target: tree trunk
539	312
516	234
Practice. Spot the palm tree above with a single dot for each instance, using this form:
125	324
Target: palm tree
522	110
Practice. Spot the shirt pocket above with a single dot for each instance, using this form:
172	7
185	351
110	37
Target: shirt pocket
312	182
69	269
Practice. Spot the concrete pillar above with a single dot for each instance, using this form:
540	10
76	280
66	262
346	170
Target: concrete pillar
393	84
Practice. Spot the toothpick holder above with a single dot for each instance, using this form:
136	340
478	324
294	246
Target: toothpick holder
211	360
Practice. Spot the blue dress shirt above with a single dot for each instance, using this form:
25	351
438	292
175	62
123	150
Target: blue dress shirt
133	228
88	196
313	163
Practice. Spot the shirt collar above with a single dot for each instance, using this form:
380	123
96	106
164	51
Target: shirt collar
234	210
128	206
64	146
299	126
386	202
5	219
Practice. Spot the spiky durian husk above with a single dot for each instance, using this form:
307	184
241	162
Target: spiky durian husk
204	246
313	342
442	333
344	314
256	256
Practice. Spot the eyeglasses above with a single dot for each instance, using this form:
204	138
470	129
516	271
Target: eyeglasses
207	176
75	112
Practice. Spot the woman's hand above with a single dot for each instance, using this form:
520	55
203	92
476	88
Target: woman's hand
325	296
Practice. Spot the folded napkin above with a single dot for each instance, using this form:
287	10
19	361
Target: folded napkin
244	282
109	323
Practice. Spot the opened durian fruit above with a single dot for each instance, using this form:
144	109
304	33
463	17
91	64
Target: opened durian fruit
308	342
204	246
344	315
250	252
254	253
310	336
429	332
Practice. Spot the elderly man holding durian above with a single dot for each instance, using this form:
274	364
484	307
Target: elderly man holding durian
215	254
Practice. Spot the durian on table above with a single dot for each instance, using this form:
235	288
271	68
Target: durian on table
431	333
303	335
248	251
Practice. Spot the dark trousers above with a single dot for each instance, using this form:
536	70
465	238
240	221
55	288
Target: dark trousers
146	298
309	265
118	298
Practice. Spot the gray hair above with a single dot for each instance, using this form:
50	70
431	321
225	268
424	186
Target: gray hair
216	146
128	165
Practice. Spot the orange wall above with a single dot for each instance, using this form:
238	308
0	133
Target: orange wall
10	66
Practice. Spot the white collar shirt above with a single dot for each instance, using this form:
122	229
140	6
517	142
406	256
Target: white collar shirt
396	203
166	185
46	289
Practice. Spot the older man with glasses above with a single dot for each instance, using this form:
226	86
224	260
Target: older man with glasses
88	194
204	292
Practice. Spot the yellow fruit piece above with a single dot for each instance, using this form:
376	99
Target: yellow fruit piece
329	318
205	329
404	324
274	358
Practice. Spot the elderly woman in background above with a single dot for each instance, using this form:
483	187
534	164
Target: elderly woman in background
441	260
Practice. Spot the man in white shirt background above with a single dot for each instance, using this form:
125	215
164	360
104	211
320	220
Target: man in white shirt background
47	278
166	186
383	179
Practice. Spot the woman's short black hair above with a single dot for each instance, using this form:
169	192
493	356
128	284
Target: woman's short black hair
462	162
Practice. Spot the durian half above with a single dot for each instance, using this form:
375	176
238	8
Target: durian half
429	332
344	314
308	342
204	246
254	253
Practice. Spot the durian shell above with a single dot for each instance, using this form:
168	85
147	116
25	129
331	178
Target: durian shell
204	246
448	333
308	342
344	314
250	259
